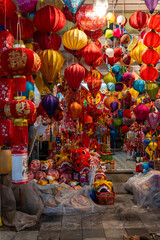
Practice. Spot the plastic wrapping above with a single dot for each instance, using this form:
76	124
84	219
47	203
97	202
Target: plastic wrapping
145	188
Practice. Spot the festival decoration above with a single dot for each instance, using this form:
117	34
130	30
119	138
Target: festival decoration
149	73
5	91
139	85
152	90
68	15
154	22
151	39
76	110
121	20
53	16
6	40
141	112
108	78
74	39
108	33
139	20
150	56
114	106
5	160
111	86
27	6
74	75
151	5
108	100
153	119
137	52
73	5
6	132
126	39
55	3
88	18
50	104
7	9
94	85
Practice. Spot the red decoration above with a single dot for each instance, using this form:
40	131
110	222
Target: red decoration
6	131
74	75
77	53
127	113
19	108
6	40
124	129
150	56
94	35
92	55
69	15
141	112
47	40
9	10
93	111
139	20
88	19
111	61
26	27
54	18
5	91
118	52
76	110
151	39
94	84
20	61
32	119
154	22
149	73
19	84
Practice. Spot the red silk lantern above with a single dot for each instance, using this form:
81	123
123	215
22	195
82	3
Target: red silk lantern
150	56
32	119
26	27
151	39
92	55
6	40
93	111
8	9
54	18
139	20
20	61
88	19
154	22
141	112
48	40
94	35
21	130
69	15
74	75
94	84
6	131
127	113
5	91
19	84
77	53
110	61
124	129
19	108
76	110
149	73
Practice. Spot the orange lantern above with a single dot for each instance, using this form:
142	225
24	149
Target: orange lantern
149	73
151	39
76	110
139	20
154	22
109	100
150	56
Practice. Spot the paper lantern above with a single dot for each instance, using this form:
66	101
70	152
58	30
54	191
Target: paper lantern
153	146
157	104
110	17
54	18
88	19
55	3
18	84
20	61
109	52
151	5
8	9
141	112
19	108
5	91
25	29
124	129
119	87
126	39
119	77
52	62
69	16
153	119
150	56
94	35
154	22
50	104
108	100
74	75
117	33
109	78
29	91
134	93
117	122
6	40
126	60
6	131
114	106
139	20
139	85
116	69
76	110
152	90
94	85
121	20
136	53
108	33
74	39
27	6
92	55
127	113
73	5
48	41
114	134
149	73
5	160
151	39
93	111
111	87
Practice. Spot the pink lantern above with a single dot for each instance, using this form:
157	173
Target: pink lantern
27	6
117	32
153	118
141	112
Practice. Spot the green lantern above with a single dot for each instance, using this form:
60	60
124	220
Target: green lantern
117	122
152	90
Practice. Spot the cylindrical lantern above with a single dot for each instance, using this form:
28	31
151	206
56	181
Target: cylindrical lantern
5	161
6	132
5	91
20	167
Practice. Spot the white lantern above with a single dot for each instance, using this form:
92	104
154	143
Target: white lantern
110	52
100	7
121	20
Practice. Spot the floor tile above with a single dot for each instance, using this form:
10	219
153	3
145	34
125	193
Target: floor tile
115	232
94	238
52	226
112	224
71	235
26	235
93	233
92	221
48	235
72	222
6	235
137	231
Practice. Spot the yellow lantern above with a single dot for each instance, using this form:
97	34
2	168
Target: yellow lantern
108	33
110	17
152	146
51	64
55	3
74	39
134	93
42	88
136	53
30	45
109	78
76	110
5	161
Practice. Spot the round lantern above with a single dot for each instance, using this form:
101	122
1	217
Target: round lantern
126	39
109	52
20	61
117	32
6	40
74	39
5	91
54	18
126	60
111	87
119	87
136	53
52	62
74	75
8	9
139	85
108	100
55	3
76	110
92	55
154	22
27	6
24	30
110	17
50	104
116	69
69	15
48	40
150	56
19	108
151	39
139	20
124	129
88	19
121	20
141	112
117	122
5	160
108	78
108	33
149	73
127	113
6	131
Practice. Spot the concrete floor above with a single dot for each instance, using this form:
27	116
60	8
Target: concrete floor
124	217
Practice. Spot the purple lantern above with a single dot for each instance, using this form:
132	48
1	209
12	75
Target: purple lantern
27	6
141	112
119	87
151	5
153	118
50	104
114	105
127	76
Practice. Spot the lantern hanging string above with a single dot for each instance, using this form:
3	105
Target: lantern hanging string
5	14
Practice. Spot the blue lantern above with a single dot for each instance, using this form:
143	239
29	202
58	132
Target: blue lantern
73	5
111	86
120	113
139	85
29	91
119	77
116	69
